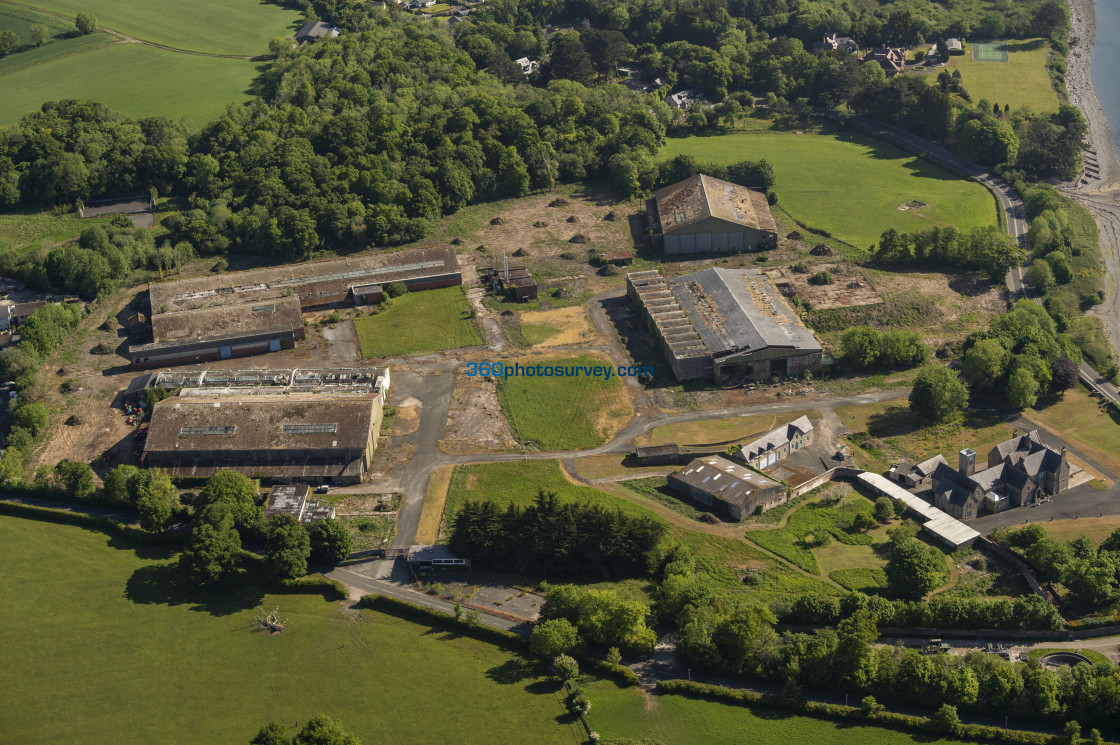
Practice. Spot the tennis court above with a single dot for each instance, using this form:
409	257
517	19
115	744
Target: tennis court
989	52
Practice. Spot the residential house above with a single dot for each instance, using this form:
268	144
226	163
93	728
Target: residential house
832	42
915	474
528	66
316	30
892	60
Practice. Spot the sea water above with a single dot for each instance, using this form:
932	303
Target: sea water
1106	63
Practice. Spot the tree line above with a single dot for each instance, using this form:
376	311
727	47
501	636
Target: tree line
1091	574
556	538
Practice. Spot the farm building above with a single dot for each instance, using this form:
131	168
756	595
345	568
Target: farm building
912	475
1020	472
258	311
724	323
941	525
777	444
703	214
314	426
291	499
727	487
658	455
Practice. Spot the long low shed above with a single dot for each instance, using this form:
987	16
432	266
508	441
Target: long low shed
947	528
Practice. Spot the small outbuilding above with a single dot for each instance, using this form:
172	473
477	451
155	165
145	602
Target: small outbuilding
439	555
658	455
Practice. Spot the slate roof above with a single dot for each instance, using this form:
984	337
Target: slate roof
701	196
726	481
740	310
776	438
928	466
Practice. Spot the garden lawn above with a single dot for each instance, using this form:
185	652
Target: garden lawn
242	27
1086	424
134	79
680	720
1096	529
565	413
848	184
707	432
424	321
1021	81
99	648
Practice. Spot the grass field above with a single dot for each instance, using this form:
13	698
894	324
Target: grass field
19	21
1091	428
54	50
886	433
23	232
616	464
861	579
427	321
564	413
1096	529
99	647
855	184
718	431
679	720
215	26
1021	81
135	79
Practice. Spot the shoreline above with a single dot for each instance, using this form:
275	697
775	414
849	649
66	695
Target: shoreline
1102	168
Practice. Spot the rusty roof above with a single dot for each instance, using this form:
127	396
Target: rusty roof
226	318
702	196
335	421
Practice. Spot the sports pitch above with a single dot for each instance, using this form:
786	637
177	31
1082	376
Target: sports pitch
989	52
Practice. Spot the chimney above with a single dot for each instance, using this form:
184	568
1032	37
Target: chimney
967	462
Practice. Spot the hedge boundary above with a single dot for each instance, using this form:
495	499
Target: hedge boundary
64	517
415	612
892	720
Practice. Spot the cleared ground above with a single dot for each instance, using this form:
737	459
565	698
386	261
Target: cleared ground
565	413
213	26
1021	81
426	321
99	647
847	184
135	79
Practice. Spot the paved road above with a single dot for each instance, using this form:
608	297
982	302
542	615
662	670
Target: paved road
1014	213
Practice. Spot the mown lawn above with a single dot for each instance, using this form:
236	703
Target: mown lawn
425	321
848	184
135	79
1096	529
215	26
99	647
679	720
1090	427
569	412
1021	81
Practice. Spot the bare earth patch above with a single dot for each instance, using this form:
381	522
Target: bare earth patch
475	423
574	325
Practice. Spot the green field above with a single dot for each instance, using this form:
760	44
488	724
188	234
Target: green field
1021	81
564	413
816	537
241	27
99	647
1090	427
135	79
848	184
426	321
679	720
19	21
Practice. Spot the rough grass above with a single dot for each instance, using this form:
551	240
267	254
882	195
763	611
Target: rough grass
612	465
172	85
214	26
799	540
564	413
861	579
1090	427
89	623
24	232
854	185
426	321
714	432
1096	529
639	717
434	502
1021	81
887	433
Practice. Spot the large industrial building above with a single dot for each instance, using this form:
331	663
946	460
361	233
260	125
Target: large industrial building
703	214
724	323
258	311
311	426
